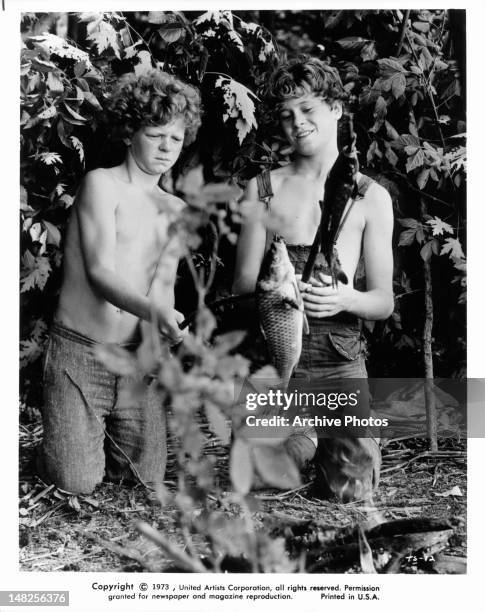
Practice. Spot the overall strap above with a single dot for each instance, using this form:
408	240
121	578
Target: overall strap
362	186
265	189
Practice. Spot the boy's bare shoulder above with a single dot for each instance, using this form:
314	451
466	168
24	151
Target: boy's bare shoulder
170	203
96	190
377	200
99	176
276	175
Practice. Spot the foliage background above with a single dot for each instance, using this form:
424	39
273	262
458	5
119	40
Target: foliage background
404	72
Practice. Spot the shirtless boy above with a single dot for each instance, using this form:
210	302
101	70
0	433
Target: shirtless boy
307	96
119	269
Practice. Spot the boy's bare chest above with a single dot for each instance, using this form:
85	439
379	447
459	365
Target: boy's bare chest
296	206
140	225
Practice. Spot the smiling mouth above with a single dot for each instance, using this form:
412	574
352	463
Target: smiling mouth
303	134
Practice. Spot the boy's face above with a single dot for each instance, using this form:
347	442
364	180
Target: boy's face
155	148
309	123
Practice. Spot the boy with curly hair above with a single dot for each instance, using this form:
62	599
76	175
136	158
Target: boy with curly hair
307	97
119	269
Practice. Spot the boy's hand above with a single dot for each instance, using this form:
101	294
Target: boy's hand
169	320
322	300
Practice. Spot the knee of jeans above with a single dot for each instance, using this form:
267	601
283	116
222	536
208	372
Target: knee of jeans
70	478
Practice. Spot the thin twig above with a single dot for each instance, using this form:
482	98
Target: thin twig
118	550
428	91
282	495
213	260
422	193
171	550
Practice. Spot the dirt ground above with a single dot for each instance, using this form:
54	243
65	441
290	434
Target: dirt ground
98	533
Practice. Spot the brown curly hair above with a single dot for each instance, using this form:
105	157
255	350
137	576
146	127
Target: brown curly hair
302	75
153	98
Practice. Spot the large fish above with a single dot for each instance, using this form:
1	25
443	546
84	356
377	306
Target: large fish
280	308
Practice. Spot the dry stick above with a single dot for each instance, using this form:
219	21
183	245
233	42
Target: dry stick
41	494
171	550
117	550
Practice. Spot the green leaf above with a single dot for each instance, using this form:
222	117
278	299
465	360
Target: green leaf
409	222
439	226
452	247
171	32
391	156
92	99
407	237
144	64
80	68
36	274
380	109
391	131
398	85
50	158
227	342
63	133
105	36
239	105
406	140
415	161
156	17
422	178
352	43
32	348
420	237
241	466
421	26
74	114
373	151
24	199
389	67
427	250
78	145
217	422
47	113
276	467
232	366
132	50
52	44
54	83
53	234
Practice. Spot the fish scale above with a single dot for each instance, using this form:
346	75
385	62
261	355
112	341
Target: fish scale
280	309
283	328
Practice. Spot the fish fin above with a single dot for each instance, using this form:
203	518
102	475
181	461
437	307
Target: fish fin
306	327
290	302
342	277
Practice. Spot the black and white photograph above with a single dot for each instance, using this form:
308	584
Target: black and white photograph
242	304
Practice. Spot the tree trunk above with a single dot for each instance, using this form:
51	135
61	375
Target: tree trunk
429	395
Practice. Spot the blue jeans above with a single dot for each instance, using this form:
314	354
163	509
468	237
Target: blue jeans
347	466
96	423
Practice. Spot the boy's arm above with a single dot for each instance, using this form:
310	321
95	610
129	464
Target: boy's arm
251	243
377	302
96	210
